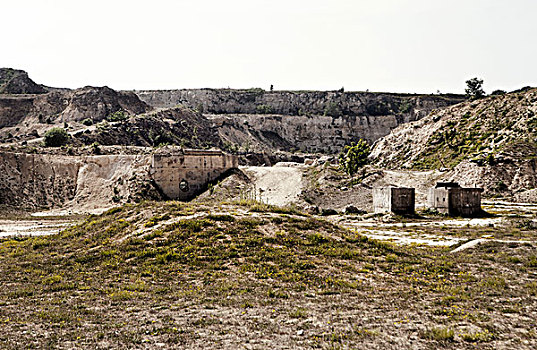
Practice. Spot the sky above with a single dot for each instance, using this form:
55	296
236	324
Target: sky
414	46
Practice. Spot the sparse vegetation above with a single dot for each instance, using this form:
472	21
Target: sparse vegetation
333	109
117	116
264	109
264	267
440	334
478	337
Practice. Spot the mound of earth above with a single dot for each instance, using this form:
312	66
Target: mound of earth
14	81
195	276
491	143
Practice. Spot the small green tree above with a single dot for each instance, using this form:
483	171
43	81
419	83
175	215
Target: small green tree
474	88
354	156
56	137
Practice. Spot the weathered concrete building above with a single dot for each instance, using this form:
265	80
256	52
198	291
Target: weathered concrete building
449	198
184	173
399	200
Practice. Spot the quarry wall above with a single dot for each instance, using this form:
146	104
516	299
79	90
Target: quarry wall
314	133
310	121
332	103
31	180
92	182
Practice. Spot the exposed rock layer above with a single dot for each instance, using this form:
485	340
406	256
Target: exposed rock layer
331	103
306	121
88	182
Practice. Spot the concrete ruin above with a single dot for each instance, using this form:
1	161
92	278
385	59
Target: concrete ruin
398	200
98	181
185	173
451	199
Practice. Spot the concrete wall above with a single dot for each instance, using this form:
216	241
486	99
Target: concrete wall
456	201
382	199
439	199
184	174
399	200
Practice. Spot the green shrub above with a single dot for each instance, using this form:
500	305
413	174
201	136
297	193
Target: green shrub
117	116
354	156
405	107
264	109
56	137
87	122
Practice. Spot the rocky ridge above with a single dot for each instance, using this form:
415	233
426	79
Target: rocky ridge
331	103
95	103
241	121
14	81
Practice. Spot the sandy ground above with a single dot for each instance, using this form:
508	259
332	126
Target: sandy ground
410	232
278	185
32	227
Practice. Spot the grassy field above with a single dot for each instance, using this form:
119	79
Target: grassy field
247	275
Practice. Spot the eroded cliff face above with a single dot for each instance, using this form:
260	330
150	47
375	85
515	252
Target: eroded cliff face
30	180
80	183
310	134
309	121
331	103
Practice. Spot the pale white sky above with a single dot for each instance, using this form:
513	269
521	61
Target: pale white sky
381	45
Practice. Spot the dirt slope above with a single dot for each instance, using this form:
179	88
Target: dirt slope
490	143
278	185
176	126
